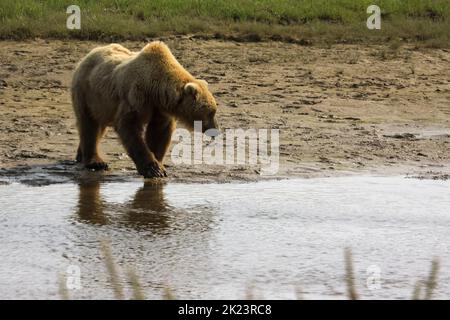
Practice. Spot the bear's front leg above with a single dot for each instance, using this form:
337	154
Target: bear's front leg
130	131
153	169
158	134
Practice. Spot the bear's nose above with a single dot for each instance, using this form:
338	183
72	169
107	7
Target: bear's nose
213	133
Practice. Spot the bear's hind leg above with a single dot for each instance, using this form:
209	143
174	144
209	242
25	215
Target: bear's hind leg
79	157
90	134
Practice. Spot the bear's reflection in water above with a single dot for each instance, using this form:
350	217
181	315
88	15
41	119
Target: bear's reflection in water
146	210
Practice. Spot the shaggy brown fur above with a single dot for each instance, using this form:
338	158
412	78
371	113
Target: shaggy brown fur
136	92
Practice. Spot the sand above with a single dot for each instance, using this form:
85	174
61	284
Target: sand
345	109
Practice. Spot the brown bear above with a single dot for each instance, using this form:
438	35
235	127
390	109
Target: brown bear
135	92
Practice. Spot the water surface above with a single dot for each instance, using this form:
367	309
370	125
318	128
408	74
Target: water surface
274	238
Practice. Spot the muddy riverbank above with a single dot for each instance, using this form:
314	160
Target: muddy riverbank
342	109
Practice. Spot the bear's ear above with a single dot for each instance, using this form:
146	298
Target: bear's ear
191	89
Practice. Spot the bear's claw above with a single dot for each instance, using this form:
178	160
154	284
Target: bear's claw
154	170
97	166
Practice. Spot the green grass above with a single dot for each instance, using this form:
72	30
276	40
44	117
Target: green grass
304	21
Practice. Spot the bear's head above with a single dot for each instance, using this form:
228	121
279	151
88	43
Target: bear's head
198	104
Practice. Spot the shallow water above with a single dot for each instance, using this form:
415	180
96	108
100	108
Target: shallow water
273	238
